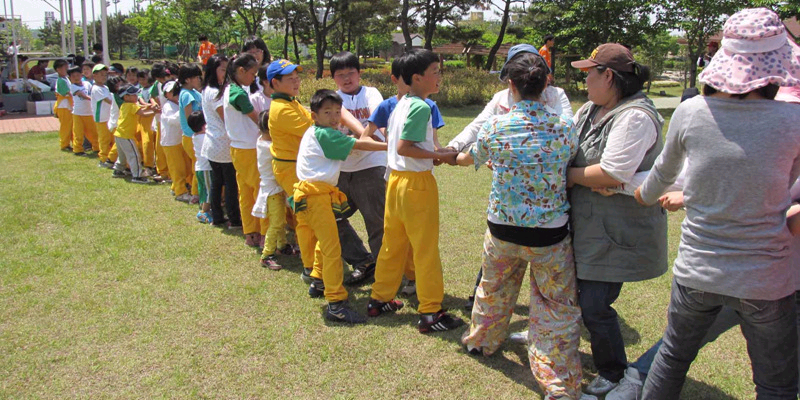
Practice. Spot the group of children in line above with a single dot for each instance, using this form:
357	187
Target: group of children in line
296	175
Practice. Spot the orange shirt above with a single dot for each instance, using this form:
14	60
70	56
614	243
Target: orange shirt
207	49
545	52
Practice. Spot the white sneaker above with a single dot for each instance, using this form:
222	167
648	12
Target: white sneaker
630	387
600	386
584	396
519	337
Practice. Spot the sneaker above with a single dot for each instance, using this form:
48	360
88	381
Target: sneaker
600	386
80	153
629	388
288	250
361	273
470	302
127	172
306	275
220	224
438	322
194	200
139	180
271	262
316	289
340	311
375	307
583	396
519	337
117	174
409	289
184	197
235	225
68	148
204	217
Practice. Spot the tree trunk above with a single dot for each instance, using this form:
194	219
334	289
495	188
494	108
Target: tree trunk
499	42
286	39
296	50
404	25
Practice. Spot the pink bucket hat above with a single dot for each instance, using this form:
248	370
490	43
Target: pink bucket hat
755	52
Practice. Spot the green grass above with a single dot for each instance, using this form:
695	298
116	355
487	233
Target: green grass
112	290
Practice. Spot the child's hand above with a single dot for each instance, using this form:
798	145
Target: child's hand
449	157
603	191
671	201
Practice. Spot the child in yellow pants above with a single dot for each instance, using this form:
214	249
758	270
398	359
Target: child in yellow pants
101	112
146	123
82	122
171	138
63	107
189	100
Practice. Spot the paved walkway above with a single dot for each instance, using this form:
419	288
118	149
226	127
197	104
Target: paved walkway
20	123
665	102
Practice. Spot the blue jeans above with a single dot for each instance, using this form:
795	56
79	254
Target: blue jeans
769	327
600	319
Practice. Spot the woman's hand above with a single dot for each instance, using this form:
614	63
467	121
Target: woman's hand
671	201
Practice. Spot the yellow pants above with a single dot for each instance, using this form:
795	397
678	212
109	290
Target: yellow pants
65	129
316	228
104	140
148	141
286	176
161	159
411	223
275	231
178	164
83	125
248	179
188	148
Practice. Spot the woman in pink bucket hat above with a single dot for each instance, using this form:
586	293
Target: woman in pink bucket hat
743	151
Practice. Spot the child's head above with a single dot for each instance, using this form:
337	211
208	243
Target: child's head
61	67
114	83
74	74
346	72
196	121
144	78
215	70
172	90
397	75
202	38
130	75
190	76
129	93
97	59
159	71
262	75
326	108
242	69
172	70
100	74
256	46
420	70
283	77
97	48
86	69
78	60
263	121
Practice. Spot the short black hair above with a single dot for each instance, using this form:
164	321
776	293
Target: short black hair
97	47
59	63
159	70
344	60
176	91
122	88
88	64
113	83
188	71
255	42
196	121
79	60
131	70
143	73
262	73
118	67
415	62
263	121
769	91
397	67
74	70
97	59
202	38
321	96
548	38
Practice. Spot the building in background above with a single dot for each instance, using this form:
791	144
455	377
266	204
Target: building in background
49	18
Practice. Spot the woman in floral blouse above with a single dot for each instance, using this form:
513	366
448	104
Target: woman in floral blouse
529	150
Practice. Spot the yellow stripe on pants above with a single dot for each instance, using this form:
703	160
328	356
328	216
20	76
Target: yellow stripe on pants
148	141
176	159
188	148
104	140
65	129
83	125
248	179
316	225
161	159
274	227
411	223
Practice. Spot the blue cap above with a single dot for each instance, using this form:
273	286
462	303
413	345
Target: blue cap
520	48
281	67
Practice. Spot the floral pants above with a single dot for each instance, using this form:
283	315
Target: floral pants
554	333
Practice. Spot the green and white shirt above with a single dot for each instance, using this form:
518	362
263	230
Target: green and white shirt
62	88
410	120
241	129
322	153
101	111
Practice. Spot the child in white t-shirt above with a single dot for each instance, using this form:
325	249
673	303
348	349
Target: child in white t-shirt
202	168
82	122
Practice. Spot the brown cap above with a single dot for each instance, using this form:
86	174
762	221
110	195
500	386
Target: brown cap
610	55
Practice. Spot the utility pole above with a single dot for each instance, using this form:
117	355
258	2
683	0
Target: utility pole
104	31
119	30
94	25
63	29
72	29
83	28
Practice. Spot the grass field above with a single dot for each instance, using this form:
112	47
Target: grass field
113	290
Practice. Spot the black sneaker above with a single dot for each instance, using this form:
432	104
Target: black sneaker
68	148
375	307
361	273
469	303
79	154
340	311
438	322
139	180
306	275
117	174
316	289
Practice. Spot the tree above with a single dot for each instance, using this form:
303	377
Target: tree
120	34
324	16
654	52
251	12
436	12
505	6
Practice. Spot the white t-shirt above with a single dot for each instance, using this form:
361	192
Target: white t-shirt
408	121
631	136
171	132
260	101
217	146
322	153
361	105
101	110
201	163
269	185
81	106
242	131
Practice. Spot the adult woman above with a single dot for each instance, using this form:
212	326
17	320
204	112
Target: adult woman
529	148
256	46
615	239
735	245
217	145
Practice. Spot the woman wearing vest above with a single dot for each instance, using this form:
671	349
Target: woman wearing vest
615	239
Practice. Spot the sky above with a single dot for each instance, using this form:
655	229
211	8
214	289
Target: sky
32	11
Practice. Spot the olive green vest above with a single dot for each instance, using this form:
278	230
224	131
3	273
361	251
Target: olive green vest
615	239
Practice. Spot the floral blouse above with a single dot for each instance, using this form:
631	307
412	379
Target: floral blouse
528	150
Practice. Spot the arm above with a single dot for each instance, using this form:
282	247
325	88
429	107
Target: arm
464	159
370	145
793	219
406	148
369	131
252	115
592	176
82	95
221	113
187	110
669	163
107	100
351	123
470	132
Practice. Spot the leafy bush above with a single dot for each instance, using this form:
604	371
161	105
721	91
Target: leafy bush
664	84
454	64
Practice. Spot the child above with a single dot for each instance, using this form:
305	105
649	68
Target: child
202	168
87	69
129	113
101	111
322	152
63	108
146	123
412	201
261	98
113	84
190	100
271	201
82	123
159	73
178	162
241	123
131	76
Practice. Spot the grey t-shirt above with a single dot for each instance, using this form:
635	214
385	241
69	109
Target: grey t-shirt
743	157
